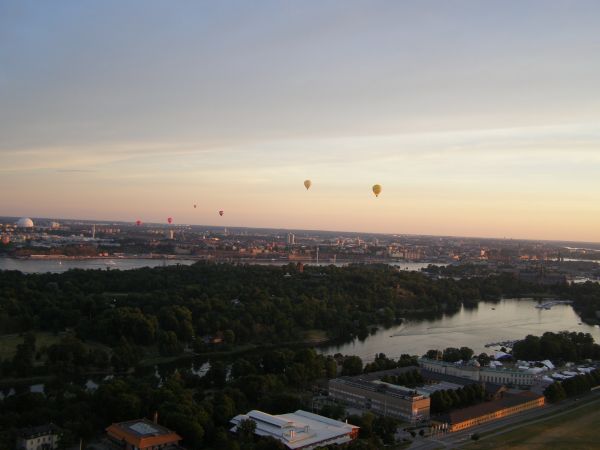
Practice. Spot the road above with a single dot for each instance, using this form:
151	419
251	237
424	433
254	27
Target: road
506	425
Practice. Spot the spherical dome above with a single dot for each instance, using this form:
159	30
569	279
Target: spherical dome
25	222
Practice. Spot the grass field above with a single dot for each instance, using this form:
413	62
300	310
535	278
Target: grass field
9	342
315	336
577	430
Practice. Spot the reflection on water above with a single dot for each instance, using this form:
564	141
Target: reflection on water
60	266
472	327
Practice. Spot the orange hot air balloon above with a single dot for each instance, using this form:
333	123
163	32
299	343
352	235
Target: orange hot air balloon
170	219
377	190
307	184
221	212
138	222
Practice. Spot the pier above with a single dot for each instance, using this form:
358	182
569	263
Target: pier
549	305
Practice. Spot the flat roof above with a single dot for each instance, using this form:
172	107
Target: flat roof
472	412
379	386
429	389
296	430
142	433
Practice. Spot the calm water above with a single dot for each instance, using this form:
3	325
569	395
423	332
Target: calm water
59	266
511	319
401	265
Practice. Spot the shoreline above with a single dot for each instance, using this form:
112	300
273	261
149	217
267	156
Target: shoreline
42	257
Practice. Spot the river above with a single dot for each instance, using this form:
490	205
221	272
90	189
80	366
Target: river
489	322
62	265
508	319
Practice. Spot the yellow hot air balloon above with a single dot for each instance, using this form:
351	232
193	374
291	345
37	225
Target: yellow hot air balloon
307	184
377	190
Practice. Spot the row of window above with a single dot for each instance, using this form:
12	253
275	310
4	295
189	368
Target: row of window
496	415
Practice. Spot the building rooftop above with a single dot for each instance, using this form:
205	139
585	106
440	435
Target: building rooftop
41	430
429	389
379	386
482	409
142	433
296	430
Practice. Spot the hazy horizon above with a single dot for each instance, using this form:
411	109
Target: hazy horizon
478	119
100	221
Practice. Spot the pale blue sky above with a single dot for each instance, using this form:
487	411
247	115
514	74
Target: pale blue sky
477	117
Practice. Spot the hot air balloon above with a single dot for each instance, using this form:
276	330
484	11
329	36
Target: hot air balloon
221	212
307	184
138	222
377	190
170	220
195	205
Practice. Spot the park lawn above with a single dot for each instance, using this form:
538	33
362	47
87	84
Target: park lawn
575	431
9	342
315	336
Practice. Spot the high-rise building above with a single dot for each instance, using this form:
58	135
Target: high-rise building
291	239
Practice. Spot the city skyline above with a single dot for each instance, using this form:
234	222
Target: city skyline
477	120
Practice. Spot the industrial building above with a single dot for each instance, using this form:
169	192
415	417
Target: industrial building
488	411
381	398
299	430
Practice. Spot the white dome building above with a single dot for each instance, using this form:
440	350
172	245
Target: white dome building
25	222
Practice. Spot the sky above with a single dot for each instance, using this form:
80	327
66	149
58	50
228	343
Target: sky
478	118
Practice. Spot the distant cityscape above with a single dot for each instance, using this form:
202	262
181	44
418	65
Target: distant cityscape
543	262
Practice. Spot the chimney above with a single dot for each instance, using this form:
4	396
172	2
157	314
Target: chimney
156	417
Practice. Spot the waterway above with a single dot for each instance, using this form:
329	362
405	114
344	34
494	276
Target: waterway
62	265
488	322
508	319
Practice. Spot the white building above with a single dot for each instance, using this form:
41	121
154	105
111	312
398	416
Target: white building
299	430
25	222
496	375
44	437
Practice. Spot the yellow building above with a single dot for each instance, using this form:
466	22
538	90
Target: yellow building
486	412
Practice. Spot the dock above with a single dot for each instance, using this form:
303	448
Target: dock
549	305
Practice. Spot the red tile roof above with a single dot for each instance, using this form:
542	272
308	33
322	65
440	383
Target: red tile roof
142	433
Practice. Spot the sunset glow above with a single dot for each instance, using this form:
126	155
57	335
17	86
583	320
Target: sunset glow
477	119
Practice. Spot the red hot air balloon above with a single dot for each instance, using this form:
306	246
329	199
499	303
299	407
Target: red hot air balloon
138	222
170	220
221	212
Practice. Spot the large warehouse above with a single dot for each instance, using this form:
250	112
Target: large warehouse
486	412
299	430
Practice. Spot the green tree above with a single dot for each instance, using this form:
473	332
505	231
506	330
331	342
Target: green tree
246	429
352	366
